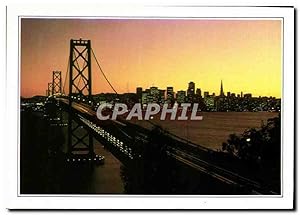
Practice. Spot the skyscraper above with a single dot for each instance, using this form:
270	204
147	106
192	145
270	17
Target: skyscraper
161	98
180	96
191	91
221	90
144	99
206	94
170	94
198	92
209	102
248	95
154	92
139	92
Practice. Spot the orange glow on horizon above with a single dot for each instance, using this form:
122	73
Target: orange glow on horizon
245	54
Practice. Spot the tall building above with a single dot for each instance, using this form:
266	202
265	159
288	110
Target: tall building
170	94
180	96
191	91
198	92
206	94
154	92
139	92
145	97
221	90
161	96
209	102
248	95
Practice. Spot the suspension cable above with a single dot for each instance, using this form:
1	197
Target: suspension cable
66	76
152	123
104	73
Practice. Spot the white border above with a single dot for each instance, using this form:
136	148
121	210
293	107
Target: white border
124	201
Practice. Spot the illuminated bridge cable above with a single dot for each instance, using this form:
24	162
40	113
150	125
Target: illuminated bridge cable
104	73
64	92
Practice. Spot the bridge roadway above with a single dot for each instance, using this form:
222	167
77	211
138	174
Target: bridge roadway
119	136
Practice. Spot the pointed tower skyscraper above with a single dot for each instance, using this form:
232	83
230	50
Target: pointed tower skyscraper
221	89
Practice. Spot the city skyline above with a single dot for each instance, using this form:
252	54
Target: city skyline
202	90
175	91
229	101
245	54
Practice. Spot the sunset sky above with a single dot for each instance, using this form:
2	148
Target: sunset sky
245	54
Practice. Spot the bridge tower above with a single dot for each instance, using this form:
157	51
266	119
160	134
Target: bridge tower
56	82
50	89
80	88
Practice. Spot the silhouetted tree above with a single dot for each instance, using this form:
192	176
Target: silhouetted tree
260	146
